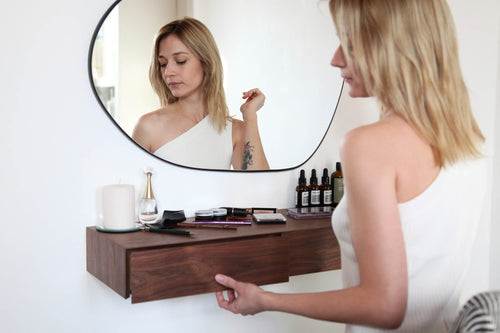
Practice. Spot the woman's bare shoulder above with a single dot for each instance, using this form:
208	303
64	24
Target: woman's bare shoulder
147	128
378	144
382	134
153	116
363	137
156	119
238	125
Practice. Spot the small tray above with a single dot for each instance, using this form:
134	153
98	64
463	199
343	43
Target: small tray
310	213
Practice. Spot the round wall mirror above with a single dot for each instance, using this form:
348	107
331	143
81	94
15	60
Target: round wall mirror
282	47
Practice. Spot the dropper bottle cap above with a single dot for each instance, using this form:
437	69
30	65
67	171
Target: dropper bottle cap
338	166
302	178
325	179
314	179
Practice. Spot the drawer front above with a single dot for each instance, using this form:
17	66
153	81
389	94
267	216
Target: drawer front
188	270
314	251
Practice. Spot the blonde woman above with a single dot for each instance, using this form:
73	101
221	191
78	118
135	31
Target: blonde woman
405	224
193	127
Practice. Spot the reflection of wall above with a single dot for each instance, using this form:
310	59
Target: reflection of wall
105	63
284	57
135	55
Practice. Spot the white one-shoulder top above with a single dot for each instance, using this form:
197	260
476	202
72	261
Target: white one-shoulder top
200	147
439	228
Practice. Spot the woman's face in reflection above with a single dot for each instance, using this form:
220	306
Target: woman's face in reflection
181	69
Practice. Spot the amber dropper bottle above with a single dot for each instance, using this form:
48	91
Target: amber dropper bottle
325	189
314	192
337	185
302	192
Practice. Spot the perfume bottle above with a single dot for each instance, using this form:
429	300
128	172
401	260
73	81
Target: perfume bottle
148	209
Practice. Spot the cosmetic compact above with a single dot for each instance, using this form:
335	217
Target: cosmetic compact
204	215
220	214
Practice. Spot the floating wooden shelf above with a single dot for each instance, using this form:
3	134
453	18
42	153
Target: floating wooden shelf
152	266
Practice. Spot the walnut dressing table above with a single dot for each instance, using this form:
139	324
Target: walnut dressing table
152	266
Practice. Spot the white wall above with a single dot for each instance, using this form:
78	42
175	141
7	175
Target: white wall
478	45
284	59
58	148
495	221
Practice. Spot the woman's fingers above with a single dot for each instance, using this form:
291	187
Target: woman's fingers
254	100
242	298
229	282
251	93
225	280
223	303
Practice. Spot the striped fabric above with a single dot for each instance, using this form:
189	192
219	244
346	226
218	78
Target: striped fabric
480	314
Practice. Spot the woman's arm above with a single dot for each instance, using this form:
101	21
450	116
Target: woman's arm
248	153
380	297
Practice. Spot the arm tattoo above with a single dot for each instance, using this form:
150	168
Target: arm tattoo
247	155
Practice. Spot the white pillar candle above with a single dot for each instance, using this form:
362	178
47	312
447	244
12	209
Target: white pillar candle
118	207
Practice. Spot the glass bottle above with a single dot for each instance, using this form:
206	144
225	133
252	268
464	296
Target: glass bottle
148	209
325	189
314	192
337	185
302	192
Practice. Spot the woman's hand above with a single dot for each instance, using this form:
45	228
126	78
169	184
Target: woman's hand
243	298
254	101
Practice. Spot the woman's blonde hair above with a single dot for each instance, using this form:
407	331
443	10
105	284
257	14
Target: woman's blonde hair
196	36
406	52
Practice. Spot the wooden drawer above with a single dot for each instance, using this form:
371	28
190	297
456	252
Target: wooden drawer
314	251
180	271
152	266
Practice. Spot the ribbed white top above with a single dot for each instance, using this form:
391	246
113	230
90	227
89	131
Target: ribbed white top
439	228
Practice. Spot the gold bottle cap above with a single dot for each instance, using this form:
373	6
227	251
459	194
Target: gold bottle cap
148	194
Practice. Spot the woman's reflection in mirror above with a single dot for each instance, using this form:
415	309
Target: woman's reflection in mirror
193	127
